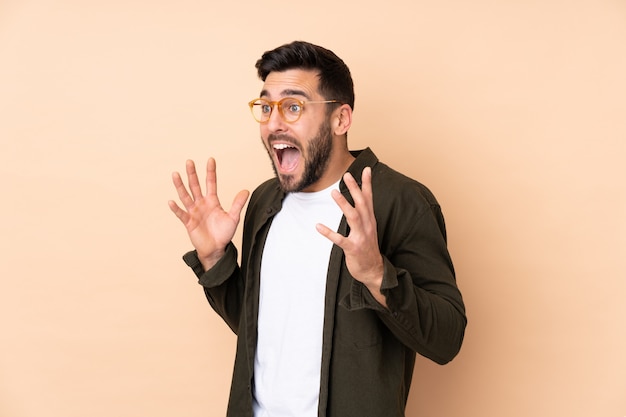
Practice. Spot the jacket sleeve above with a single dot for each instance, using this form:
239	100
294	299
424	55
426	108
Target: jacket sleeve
425	309
223	284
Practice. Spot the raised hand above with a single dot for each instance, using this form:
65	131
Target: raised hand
209	226
360	247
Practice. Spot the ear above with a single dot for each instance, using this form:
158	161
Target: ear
342	120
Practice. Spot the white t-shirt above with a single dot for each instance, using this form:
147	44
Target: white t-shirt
291	306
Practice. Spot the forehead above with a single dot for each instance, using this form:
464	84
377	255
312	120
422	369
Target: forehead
292	82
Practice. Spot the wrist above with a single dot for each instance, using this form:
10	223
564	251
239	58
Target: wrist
374	284
208	261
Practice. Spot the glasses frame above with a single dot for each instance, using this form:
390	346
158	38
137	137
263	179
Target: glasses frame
279	103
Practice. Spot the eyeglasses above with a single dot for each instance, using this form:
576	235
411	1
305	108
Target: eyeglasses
289	108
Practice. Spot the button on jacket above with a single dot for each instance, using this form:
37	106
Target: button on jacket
368	350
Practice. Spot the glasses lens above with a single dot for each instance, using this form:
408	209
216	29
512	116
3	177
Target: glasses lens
261	110
291	109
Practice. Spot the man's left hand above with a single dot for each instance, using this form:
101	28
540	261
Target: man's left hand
363	258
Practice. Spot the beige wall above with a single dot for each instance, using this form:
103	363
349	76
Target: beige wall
512	112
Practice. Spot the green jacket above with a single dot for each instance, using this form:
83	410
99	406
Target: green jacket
368	351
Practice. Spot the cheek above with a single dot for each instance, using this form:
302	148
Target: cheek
264	135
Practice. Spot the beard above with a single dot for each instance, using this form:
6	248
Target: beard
316	157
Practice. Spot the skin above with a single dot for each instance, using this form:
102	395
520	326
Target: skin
210	227
303	85
318	151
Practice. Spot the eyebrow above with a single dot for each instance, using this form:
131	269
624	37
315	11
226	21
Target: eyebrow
288	93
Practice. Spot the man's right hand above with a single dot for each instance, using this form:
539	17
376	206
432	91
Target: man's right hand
209	226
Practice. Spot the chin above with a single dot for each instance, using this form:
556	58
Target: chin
289	183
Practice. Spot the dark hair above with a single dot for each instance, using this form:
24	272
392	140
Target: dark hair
334	75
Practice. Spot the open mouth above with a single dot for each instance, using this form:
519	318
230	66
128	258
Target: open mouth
286	155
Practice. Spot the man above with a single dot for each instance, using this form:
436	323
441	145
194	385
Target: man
345	273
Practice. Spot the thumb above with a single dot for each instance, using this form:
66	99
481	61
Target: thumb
238	202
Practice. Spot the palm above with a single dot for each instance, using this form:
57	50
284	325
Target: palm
209	226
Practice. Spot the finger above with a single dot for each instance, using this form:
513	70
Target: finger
366	184
192	178
352	215
366	206
238	203
354	189
211	177
363	196
343	204
331	235
183	195
182	215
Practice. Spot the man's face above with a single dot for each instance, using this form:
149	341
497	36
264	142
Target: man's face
299	151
